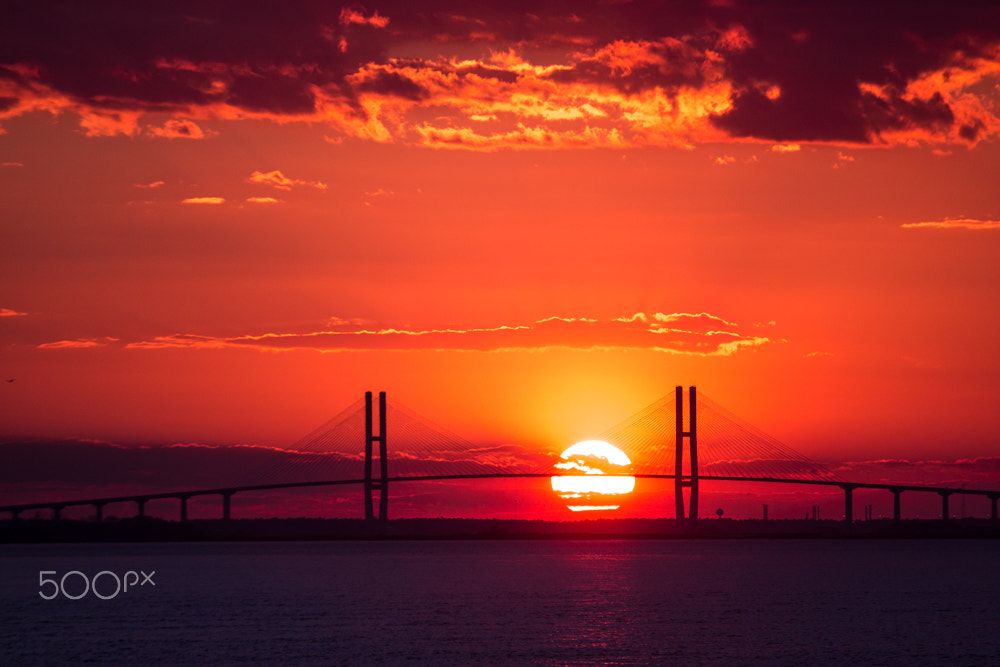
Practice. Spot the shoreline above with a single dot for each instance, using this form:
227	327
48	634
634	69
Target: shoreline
31	531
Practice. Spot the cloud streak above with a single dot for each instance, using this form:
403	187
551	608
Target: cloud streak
278	180
697	334
204	200
77	343
954	223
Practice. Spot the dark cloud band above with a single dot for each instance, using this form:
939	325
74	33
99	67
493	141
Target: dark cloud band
642	73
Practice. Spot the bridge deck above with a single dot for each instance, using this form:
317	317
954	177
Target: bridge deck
228	491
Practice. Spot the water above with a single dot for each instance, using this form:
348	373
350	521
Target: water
510	602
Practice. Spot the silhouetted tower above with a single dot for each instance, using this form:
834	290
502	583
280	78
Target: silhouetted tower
691	480
382	483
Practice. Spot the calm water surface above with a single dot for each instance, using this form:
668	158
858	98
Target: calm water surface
510	602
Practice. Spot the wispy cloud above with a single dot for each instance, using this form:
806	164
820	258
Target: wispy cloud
379	193
556	318
262	200
786	148
655	318
278	180
78	343
204	200
7	312
177	129
354	16
954	223
842	160
696	334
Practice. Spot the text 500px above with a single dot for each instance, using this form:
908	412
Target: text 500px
105	584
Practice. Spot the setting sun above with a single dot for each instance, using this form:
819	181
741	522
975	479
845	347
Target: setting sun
592	487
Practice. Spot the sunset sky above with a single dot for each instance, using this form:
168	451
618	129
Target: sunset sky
223	222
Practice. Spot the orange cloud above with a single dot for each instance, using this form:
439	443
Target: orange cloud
947	105
624	57
278	180
523	105
177	129
842	159
109	124
786	148
350	15
78	343
262	200
699	336
154	184
556	318
204	200
736	38
522	137
7	312
954	223
676	317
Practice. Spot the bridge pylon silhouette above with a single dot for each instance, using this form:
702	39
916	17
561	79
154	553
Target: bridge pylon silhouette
382	483
690	480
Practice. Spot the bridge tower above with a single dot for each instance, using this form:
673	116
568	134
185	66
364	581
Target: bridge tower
382	483
691	480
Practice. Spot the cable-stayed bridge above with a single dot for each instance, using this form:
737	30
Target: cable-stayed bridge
685	437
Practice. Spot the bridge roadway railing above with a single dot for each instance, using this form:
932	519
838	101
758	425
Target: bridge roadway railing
227	492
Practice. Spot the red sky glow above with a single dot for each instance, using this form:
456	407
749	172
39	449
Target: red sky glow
224	222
